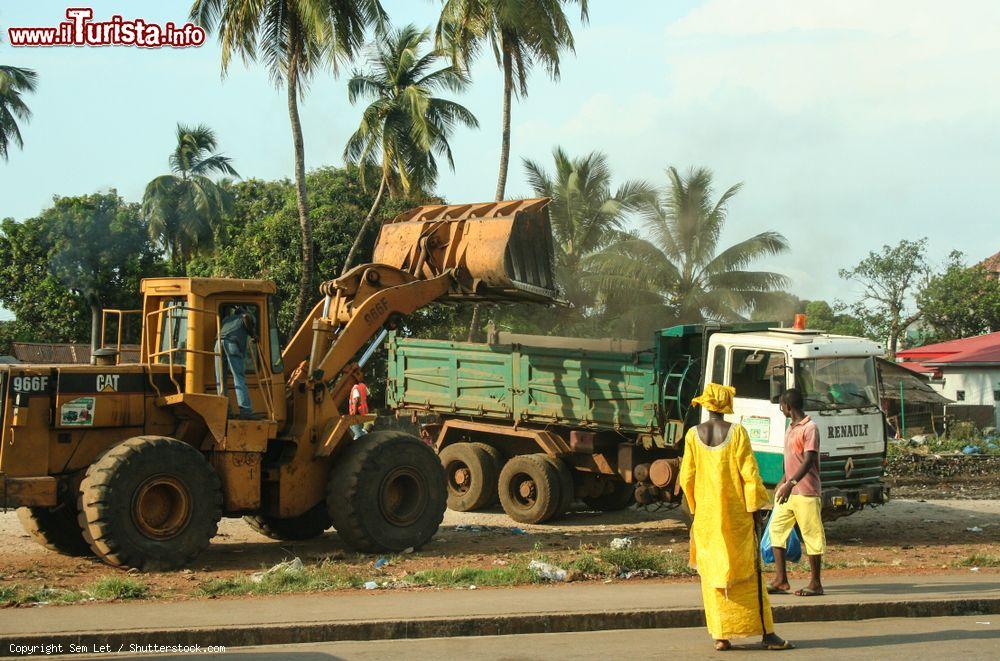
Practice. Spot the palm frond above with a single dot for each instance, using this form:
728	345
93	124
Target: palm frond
405	124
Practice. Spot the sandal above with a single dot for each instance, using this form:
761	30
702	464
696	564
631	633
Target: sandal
777	647
723	646
773	590
806	592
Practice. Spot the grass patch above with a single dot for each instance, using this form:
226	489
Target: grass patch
514	574
119	588
8	593
601	563
310	579
844	564
641	558
590	565
17	595
108	588
980	560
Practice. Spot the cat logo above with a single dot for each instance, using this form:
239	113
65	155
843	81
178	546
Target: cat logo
849	467
107	382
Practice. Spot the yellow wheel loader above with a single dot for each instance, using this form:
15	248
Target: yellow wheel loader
136	463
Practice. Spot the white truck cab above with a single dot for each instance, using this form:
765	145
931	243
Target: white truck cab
839	382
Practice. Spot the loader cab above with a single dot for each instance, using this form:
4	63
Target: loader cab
181	322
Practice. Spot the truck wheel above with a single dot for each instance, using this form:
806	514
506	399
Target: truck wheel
498	461
471	476
150	502
55	528
308	525
529	489
567	488
387	493
619	498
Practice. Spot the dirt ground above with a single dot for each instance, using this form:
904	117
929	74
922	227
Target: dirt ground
906	536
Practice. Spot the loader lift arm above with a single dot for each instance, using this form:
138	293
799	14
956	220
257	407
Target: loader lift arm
493	252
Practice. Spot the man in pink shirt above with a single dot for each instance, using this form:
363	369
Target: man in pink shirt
797	498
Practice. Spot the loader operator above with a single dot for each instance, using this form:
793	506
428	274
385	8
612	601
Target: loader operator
235	331
358	405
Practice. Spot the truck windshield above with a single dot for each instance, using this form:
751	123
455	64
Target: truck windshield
836	383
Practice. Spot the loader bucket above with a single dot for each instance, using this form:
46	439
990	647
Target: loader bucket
499	251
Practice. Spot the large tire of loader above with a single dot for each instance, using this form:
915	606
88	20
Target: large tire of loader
530	489
620	497
471	475
56	528
387	493
308	525
150	502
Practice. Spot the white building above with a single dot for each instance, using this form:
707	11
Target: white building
966	371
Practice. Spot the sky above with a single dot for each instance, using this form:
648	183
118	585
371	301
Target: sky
851	124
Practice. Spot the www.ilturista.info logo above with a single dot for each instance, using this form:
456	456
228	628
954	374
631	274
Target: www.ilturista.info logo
80	30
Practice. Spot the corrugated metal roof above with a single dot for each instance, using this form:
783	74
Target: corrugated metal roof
898	380
980	349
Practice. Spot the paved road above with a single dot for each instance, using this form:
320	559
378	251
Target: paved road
974	637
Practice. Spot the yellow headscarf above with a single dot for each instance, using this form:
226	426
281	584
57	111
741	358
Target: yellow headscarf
716	398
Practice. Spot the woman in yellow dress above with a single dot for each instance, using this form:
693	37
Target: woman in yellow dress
724	491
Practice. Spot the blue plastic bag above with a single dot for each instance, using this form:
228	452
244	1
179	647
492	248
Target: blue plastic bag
793	547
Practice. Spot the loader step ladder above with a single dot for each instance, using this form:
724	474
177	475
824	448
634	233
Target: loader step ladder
675	393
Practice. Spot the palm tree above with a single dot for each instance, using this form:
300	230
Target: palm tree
678	275
405	125
184	209
586	216
14	82
295	38
519	32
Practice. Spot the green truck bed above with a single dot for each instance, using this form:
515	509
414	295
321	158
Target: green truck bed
524	383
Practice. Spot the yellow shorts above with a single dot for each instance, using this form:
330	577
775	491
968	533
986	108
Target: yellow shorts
806	511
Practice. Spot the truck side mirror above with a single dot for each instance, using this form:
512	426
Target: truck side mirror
777	387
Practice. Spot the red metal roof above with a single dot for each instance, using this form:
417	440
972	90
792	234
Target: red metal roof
979	349
919	368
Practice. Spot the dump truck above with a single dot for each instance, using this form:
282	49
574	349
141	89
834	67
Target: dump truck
137	463
536	422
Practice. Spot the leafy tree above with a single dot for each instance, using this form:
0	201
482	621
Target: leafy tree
678	275
59	269
184	209
961	301
405	125
295	38
520	33
888	278
264	221
586	217
14	84
821	316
